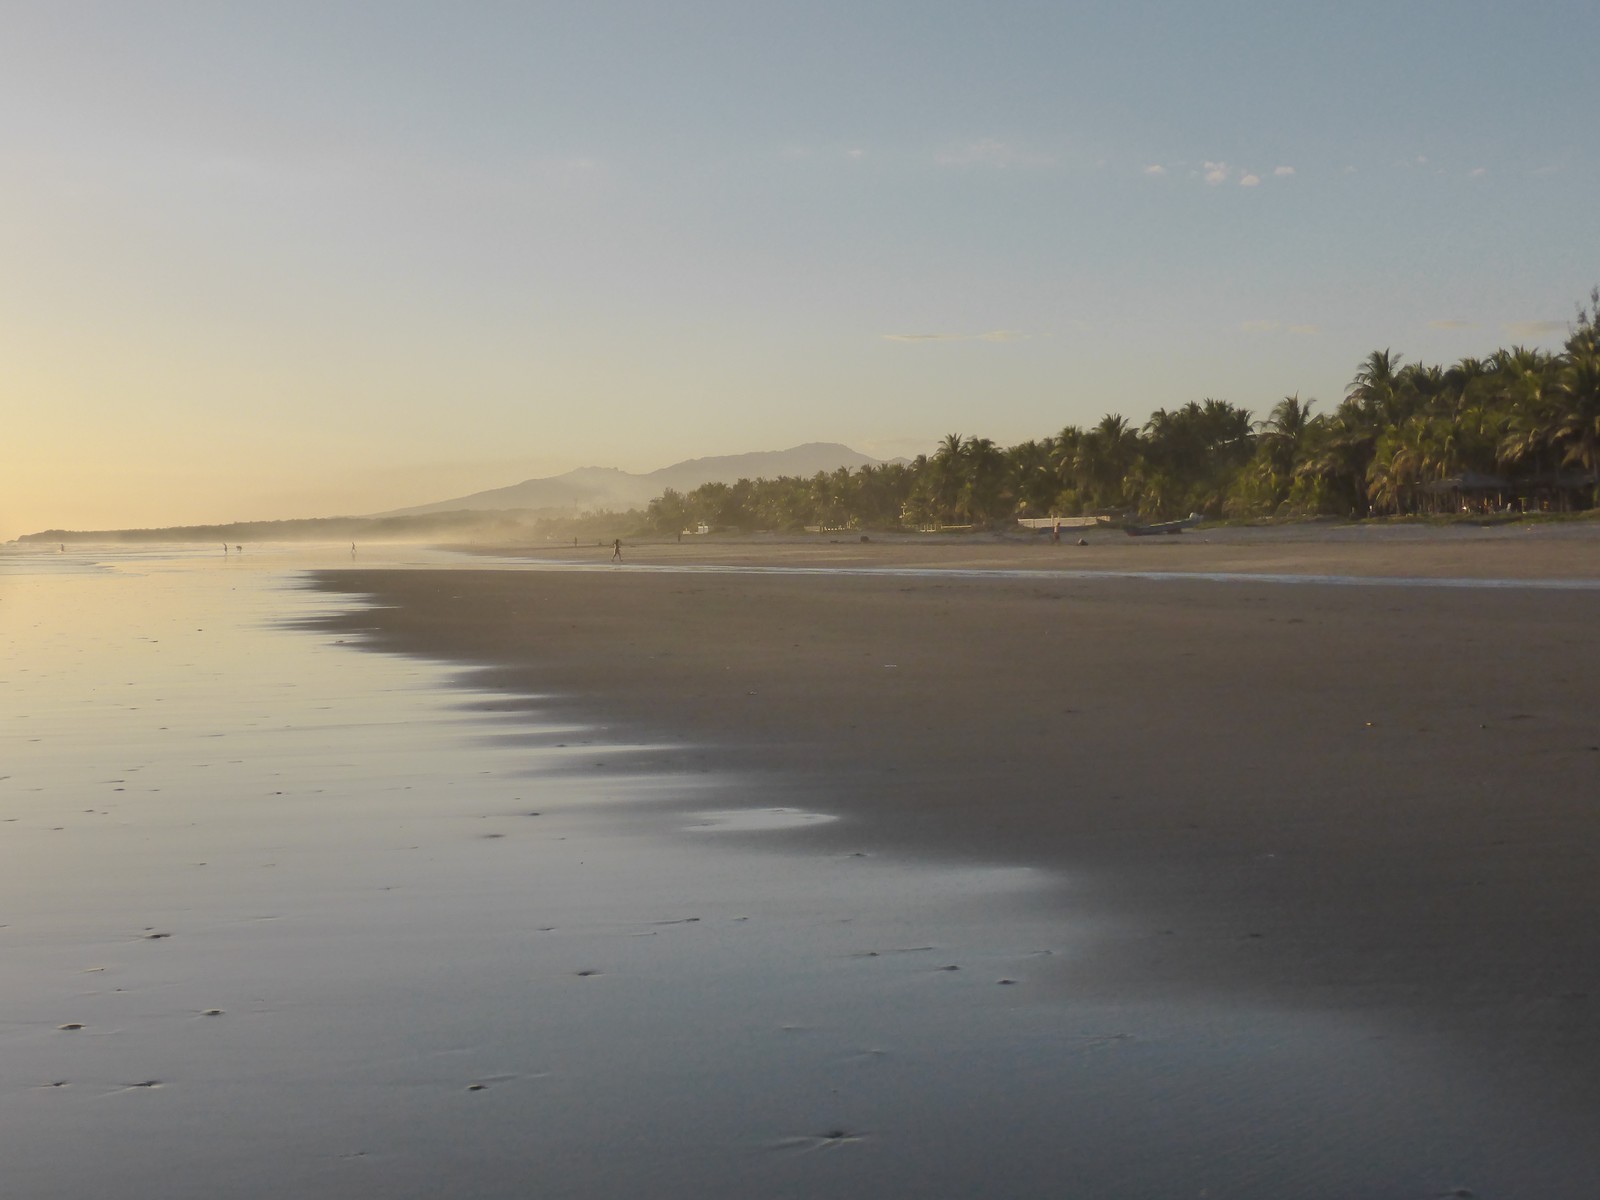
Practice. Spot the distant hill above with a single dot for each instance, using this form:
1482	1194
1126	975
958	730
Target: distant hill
524	509
423	527
606	487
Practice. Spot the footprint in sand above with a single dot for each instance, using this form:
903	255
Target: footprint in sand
820	1141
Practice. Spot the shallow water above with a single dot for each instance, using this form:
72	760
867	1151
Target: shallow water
278	919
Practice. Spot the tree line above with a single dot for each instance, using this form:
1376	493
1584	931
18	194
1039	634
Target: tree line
1520	427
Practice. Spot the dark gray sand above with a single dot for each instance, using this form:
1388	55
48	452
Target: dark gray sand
1354	808
689	885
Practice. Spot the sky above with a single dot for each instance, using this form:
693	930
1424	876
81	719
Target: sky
293	259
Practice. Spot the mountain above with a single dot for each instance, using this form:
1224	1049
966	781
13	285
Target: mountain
595	488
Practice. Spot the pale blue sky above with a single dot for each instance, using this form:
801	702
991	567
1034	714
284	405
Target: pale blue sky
296	259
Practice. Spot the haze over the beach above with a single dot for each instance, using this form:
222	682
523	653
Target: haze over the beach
300	259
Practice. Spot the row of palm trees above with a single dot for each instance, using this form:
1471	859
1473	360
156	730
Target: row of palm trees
1520	427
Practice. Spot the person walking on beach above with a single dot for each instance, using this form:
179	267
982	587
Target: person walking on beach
616	550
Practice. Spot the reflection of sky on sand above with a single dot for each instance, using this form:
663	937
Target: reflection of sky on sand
756	820
978	574
430	970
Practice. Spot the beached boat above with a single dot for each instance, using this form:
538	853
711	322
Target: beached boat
1178	526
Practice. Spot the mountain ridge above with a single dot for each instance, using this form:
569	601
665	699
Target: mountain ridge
597	488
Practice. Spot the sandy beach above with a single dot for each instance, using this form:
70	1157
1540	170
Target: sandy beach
1347	799
807	868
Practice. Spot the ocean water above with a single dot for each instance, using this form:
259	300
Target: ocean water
280	917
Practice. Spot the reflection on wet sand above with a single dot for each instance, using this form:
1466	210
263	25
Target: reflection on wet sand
283	919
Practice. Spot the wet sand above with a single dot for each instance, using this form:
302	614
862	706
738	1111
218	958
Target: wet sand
681	882
283	919
1354	802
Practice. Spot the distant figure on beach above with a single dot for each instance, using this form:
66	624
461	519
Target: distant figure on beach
1055	530
236	549
224	549
616	550
352	549
63	547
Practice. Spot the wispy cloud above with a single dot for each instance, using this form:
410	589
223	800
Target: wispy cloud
993	335
1155	170
1449	324
1307	329
1216	172
1533	329
990	152
1478	172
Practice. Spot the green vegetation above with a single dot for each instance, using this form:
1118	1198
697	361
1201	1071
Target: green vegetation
1517	430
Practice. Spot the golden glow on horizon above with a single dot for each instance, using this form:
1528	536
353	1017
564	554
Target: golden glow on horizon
628	238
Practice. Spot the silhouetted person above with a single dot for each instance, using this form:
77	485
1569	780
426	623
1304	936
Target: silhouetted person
352	549
616	550
224	549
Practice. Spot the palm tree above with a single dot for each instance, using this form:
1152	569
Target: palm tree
1375	390
1280	447
1521	390
1106	458
1283	433
1585	335
1464	382
948	475
1577	427
984	494
1032	465
1397	466
1066	448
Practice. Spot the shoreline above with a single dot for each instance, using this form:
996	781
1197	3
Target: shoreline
1554	550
